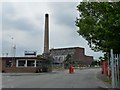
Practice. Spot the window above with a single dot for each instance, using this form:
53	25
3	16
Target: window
30	63
8	63
21	63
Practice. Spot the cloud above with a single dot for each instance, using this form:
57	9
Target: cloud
8	10
12	20
63	25
22	40
18	24
25	22
64	13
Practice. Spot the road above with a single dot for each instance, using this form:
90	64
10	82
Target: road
85	78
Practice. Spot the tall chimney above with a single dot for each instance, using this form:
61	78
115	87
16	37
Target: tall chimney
46	34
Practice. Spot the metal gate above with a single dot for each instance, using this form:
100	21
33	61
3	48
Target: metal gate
115	69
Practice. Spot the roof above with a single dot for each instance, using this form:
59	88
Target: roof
88	56
66	48
18	57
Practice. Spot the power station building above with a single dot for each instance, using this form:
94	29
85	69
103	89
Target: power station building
31	64
77	56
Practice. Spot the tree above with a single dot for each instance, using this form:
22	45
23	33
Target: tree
68	58
67	61
95	63
99	24
46	62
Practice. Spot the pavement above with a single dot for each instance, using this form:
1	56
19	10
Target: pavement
103	78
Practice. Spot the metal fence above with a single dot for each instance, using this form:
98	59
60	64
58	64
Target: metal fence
115	69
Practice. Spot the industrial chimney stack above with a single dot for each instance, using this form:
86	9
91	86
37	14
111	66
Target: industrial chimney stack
47	62
46	34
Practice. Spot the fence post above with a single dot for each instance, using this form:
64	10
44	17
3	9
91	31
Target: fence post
112	67
108	65
118	70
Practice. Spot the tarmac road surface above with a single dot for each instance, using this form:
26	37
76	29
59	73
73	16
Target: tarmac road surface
85	78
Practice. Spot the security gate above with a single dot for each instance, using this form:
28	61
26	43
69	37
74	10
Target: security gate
115	69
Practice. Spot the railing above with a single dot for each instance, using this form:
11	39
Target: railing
115	68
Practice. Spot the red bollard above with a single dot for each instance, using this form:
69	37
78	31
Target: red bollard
105	71
71	70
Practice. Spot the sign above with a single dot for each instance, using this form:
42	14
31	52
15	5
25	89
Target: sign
30	53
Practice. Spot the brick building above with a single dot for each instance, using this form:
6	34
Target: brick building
19	64
31	63
77	56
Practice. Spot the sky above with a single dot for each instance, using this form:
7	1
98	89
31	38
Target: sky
24	22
